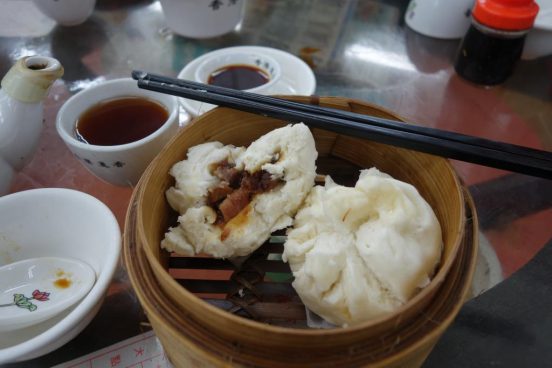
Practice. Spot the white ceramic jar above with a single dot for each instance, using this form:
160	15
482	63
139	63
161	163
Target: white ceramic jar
23	88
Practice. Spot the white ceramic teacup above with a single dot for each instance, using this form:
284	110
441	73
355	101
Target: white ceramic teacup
120	164
447	19
202	18
67	12
268	66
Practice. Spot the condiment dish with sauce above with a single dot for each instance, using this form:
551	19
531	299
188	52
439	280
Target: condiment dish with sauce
246	71
34	290
296	77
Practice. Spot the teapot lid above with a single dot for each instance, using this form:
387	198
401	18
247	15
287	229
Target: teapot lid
31	77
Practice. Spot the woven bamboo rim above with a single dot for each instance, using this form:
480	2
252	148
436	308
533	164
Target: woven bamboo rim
247	331
188	343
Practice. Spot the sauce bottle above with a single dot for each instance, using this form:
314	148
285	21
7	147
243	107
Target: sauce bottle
23	88
494	41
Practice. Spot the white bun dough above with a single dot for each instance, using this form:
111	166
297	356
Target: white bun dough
359	253
288	154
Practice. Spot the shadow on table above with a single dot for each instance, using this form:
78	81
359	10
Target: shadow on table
78	48
508	326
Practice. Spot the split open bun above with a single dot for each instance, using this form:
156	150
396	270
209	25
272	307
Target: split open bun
230	199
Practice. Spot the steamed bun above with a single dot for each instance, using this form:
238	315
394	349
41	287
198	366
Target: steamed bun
359	253
193	176
231	198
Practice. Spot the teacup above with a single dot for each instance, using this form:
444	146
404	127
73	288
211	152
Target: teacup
438	18
67	12
202	18
264	64
121	164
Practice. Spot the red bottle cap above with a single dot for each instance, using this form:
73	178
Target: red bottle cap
506	14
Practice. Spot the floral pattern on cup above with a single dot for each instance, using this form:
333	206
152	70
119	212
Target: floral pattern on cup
22	301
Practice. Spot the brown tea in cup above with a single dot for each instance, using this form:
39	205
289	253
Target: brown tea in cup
120	121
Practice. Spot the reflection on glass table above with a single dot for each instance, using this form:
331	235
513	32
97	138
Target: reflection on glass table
356	49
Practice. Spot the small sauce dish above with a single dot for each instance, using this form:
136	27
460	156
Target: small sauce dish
243	68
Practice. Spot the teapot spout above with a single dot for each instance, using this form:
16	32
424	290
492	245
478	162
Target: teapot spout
31	77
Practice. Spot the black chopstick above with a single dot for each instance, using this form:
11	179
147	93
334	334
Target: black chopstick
429	144
347	115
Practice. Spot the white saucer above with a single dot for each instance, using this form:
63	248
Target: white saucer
297	77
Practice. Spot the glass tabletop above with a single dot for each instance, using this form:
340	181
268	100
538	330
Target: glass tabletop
358	49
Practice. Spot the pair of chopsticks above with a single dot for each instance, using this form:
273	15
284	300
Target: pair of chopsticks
456	146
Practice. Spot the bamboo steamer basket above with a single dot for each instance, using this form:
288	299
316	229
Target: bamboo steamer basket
338	155
188	344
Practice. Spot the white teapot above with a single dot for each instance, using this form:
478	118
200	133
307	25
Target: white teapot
23	88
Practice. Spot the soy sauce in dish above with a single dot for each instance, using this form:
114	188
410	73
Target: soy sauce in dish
238	77
120	121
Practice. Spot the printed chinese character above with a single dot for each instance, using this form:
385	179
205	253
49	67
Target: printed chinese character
116	360
215	4
139	351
